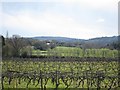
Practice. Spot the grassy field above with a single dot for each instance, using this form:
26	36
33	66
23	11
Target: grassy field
76	52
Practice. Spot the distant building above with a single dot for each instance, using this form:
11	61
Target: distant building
16	36
48	43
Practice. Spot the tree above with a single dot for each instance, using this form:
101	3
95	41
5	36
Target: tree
3	40
2	43
17	43
41	45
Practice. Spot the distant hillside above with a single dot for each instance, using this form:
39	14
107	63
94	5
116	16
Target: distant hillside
102	41
90	43
59	39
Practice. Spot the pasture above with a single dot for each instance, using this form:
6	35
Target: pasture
61	51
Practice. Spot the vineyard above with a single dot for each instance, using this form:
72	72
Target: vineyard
60	72
59	45
62	67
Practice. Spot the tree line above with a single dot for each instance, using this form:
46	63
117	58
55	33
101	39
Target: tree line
17	46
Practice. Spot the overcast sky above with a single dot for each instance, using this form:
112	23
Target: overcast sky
82	19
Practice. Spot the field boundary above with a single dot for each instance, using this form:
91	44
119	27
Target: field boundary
65	59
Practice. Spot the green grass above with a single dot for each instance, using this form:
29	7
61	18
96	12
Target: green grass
77	52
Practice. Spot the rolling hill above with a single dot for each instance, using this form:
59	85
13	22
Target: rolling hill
94	42
59	39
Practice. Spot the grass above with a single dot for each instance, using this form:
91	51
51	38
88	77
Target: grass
76	52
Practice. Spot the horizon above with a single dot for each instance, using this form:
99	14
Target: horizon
73	19
72	38
59	36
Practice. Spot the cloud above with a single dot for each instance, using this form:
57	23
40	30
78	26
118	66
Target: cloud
100	20
55	23
97	4
109	5
49	23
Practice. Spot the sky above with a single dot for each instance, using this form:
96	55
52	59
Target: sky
83	19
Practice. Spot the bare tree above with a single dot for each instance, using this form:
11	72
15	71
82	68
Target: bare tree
17	44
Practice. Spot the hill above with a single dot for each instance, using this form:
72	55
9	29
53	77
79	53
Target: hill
59	39
101	41
90	43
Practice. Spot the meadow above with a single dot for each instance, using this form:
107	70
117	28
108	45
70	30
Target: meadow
61	51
